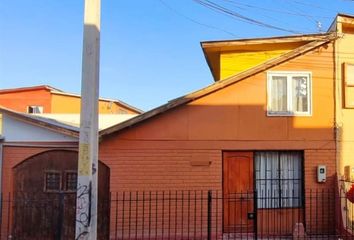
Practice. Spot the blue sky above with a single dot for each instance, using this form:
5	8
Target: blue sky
150	49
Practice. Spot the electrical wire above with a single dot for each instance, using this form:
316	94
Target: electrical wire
277	10
310	5
272	17
220	9
195	21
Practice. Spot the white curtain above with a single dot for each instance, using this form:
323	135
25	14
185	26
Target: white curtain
278	179
279	102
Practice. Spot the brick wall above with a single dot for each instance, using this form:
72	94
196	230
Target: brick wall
167	169
320	197
158	167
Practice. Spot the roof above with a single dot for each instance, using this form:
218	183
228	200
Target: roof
43	122
345	15
101	99
58	91
332	26
221	84
32	88
213	49
104	120
277	39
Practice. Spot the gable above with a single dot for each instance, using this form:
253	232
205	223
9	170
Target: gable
15	130
230	57
238	111
173	104
234	62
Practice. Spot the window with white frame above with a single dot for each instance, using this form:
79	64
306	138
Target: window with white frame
289	93
34	109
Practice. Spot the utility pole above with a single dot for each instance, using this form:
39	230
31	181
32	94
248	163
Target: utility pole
86	198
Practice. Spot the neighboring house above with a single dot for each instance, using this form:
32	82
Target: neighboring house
104	120
266	138
46	99
39	159
344	90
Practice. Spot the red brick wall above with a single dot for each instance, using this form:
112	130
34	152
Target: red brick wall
162	169
159	166
166	165
156	165
313	158
320	207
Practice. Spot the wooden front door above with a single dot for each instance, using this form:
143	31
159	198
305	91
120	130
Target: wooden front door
45	197
238	189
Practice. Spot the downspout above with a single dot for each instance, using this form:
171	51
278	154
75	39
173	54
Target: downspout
1	162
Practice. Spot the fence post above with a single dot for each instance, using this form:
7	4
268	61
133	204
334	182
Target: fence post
255	210
209	213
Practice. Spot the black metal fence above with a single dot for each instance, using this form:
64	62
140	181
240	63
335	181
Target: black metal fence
321	214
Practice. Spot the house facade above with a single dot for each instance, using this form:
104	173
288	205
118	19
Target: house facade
46	99
344	104
39	159
274	123
268	141
344	73
267	129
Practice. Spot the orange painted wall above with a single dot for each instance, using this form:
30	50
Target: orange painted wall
19	101
158	153
54	103
238	112
72	104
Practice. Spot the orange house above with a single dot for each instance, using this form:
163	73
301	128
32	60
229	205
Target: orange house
263	139
46	99
268	128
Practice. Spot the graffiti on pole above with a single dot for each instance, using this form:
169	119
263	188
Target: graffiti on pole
83	209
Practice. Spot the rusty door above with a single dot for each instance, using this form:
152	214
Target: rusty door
45	197
238	189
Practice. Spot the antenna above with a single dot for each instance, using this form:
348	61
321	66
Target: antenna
319	26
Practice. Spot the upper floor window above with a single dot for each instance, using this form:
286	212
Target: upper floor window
35	109
289	93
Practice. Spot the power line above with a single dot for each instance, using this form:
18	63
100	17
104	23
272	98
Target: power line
252	7
310	5
277	10
218	8
193	20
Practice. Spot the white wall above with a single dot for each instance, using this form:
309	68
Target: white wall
15	130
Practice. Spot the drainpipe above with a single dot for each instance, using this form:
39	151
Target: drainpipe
1	142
